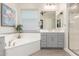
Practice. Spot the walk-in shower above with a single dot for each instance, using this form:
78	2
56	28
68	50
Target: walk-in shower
73	28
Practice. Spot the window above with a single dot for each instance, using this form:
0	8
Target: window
30	20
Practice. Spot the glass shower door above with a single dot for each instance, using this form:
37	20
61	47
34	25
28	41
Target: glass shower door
74	27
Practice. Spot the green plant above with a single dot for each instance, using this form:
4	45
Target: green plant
19	30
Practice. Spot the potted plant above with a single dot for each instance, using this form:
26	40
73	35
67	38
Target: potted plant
19	30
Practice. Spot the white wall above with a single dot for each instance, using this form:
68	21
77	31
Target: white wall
63	8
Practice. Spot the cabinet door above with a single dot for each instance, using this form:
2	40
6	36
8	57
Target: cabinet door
43	40
51	40
60	40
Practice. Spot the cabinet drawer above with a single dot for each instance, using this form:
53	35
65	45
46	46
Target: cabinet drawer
52	34
60	34
43	40
43	34
60	45
60	42
60	38
43	45
51	45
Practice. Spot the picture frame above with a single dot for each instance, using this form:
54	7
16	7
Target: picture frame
7	16
0	14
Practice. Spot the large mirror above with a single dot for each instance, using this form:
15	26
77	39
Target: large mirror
48	20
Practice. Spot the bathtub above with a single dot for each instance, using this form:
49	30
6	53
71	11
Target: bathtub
28	44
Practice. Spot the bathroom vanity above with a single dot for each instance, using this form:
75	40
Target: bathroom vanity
52	33
52	39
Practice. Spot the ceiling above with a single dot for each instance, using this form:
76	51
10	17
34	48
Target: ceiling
40	6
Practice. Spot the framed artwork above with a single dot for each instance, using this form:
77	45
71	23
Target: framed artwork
0	13
7	16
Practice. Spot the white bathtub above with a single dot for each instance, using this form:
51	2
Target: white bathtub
28	43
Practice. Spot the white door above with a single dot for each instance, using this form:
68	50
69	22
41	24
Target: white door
2	46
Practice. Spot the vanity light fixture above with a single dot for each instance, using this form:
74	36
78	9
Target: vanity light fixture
42	12
61	13
50	7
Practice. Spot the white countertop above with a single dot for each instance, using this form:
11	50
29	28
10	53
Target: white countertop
55	30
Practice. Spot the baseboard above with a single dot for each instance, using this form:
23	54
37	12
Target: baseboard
70	52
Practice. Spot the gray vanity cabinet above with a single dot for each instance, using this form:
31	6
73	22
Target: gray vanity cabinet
52	40
43	40
60	40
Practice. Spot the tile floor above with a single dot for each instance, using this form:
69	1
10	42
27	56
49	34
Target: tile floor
51	52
